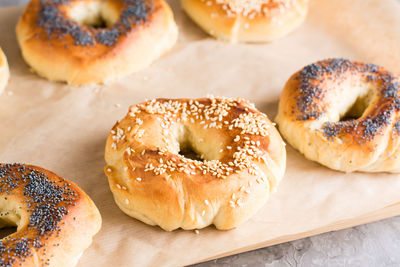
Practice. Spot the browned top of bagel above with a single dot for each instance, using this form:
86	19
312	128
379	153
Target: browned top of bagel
231	119
55	215
251	8
240	160
49	22
94	41
247	20
307	90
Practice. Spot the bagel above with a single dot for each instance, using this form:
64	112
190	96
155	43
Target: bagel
247	20
94	41
55	219
190	163
4	71
344	115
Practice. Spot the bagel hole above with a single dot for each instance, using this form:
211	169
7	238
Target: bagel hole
187	141
196	143
358	108
94	14
6	231
9	221
187	150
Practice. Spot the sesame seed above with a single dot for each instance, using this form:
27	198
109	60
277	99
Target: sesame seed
251	8
211	113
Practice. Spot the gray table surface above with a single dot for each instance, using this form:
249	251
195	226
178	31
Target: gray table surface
374	244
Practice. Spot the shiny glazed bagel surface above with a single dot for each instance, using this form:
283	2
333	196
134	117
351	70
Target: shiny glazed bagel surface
190	163
344	115
247	21
94	41
55	219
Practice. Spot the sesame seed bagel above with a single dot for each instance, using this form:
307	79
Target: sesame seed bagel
4	71
247	20
94	41
55	219
344	115
191	163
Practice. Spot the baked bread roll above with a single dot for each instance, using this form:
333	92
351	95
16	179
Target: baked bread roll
344	115
4	71
247	20
190	163
94	41
55	219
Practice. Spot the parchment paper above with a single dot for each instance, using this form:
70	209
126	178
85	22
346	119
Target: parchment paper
64	128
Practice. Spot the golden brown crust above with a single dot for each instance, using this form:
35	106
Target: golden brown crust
244	21
55	219
243	161
344	115
4	71
59	48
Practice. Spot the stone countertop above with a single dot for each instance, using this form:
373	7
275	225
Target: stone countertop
374	244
